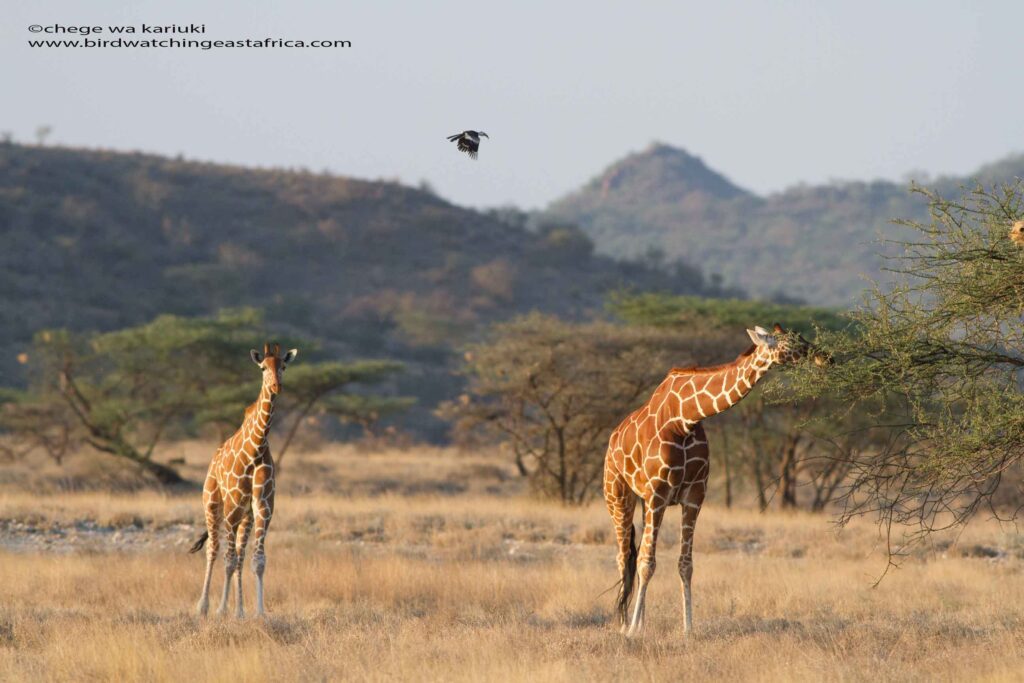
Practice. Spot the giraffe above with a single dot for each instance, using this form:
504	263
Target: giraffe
239	489
659	454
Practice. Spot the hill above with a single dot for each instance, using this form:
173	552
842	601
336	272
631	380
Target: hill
97	240
812	243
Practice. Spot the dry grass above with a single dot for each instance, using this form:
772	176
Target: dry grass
473	581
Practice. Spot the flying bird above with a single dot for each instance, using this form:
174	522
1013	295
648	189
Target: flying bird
468	141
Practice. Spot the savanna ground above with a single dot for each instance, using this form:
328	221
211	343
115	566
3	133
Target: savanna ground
428	564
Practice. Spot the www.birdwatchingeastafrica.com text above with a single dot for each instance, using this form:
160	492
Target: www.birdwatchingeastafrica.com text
158	36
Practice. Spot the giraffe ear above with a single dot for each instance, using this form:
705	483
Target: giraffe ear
255	355
290	356
761	337
778	329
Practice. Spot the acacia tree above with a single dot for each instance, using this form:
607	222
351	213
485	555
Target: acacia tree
943	351
316	388
120	392
123	392
553	391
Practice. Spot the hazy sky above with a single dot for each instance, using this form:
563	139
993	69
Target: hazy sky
770	94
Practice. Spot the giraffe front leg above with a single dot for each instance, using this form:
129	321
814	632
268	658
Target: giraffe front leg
242	542
263	510
230	564
690	512
646	562
691	500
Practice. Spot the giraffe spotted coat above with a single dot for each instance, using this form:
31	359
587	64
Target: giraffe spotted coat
659	455
238	495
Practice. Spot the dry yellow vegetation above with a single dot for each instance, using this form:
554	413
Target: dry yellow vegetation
394	566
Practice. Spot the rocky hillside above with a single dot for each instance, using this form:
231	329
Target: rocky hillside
813	243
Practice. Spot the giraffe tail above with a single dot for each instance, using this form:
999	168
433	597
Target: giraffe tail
202	540
628	574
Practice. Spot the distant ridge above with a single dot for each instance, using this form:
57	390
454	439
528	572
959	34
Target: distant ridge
664	173
817	244
99	240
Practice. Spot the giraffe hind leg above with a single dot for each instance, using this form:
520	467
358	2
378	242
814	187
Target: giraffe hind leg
646	564
621	502
214	518
230	561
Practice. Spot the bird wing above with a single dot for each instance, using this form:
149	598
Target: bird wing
469	146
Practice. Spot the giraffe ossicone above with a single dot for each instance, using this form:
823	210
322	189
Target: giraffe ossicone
659	455
239	489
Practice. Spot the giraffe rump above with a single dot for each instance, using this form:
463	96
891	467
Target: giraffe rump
628	574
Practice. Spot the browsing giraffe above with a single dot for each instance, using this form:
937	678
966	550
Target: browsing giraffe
239	489
659	453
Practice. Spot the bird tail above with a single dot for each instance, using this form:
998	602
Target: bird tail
453	138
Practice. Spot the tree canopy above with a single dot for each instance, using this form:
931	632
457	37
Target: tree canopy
122	392
937	361
553	391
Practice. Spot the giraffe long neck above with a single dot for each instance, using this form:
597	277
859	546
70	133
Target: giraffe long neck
704	394
257	424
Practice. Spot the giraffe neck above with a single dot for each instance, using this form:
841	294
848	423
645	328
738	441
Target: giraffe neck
708	393
257	423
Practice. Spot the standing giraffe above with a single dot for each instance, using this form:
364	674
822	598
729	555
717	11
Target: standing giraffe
239	489
659	454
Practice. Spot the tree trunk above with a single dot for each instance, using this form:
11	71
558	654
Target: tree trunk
787	473
725	466
762	501
165	474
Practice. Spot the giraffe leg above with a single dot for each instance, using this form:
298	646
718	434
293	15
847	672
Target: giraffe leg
263	510
691	508
241	543
646	563
691	499
214	518
621	502
230	559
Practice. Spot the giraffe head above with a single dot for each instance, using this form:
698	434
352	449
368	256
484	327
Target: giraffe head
273	364
1017	233
784	347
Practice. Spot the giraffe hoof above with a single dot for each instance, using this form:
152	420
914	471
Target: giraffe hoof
202	609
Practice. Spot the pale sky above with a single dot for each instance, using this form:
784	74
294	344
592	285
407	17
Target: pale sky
770	94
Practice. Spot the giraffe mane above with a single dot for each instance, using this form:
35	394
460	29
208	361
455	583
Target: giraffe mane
699	370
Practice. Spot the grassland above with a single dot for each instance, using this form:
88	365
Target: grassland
428	565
